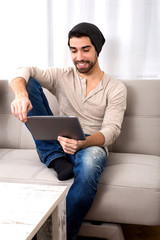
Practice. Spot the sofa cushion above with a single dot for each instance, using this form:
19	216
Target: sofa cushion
129	189
140	134
20	165
141	125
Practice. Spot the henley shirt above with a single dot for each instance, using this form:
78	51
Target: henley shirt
102	110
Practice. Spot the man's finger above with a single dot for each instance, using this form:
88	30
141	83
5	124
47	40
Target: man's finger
12	109
26	107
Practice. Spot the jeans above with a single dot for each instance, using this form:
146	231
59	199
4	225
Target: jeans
88	165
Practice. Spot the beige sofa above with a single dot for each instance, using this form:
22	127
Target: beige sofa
129	188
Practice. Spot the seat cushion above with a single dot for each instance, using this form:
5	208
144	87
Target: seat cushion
129	190
21	165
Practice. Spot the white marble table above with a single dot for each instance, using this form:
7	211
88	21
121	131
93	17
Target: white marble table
26	208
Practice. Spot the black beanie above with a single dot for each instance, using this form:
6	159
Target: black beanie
90	30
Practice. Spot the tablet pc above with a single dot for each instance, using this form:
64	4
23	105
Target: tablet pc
50	127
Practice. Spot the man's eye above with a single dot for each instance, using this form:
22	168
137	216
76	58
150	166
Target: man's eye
86	50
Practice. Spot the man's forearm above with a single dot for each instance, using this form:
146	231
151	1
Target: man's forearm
18	86
96	139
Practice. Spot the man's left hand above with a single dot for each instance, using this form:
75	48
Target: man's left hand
70	146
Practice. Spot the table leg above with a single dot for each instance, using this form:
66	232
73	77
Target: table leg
55	226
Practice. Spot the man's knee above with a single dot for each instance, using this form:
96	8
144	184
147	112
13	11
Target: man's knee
33	85
95	156
90	161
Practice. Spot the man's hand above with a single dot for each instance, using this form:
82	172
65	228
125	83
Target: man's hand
70	146
21	104
20	107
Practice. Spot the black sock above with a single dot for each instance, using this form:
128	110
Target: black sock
63	167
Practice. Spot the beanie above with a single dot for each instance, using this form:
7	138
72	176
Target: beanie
90	30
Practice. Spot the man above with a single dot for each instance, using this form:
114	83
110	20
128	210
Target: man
99	102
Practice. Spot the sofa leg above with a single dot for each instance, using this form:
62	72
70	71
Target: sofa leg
108	231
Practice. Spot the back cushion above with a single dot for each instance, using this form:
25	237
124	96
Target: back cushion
141	126
13	133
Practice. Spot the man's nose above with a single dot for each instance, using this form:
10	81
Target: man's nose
79	56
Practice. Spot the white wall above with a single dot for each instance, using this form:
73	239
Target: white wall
23	34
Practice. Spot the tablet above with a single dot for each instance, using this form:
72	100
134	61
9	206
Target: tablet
50	127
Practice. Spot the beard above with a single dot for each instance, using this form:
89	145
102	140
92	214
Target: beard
88	65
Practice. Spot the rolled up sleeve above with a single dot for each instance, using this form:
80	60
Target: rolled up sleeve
45	76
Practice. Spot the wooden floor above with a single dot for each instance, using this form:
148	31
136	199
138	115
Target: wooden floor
135	232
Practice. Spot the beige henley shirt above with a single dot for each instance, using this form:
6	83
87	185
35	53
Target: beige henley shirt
101	110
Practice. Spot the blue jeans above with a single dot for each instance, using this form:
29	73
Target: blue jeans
88	165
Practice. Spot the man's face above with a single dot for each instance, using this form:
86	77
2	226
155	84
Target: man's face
83	53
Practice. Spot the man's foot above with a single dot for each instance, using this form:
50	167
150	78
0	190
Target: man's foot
63	167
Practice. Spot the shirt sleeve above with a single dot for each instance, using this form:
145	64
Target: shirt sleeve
46	77
114	114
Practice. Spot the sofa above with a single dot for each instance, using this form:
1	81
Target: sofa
129	188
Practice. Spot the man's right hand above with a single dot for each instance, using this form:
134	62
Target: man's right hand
20	107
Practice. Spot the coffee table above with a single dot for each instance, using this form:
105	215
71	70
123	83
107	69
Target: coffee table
29	209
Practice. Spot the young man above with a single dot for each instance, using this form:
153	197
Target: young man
99	102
